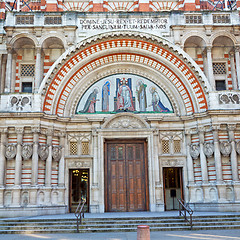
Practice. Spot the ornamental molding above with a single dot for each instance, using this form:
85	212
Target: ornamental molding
208	149
77	164
172	163
10	151
225	148
20	103
229	98
27	151
43	151
125	121
194	151
56	153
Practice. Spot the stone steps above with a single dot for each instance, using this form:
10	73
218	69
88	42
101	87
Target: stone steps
118	224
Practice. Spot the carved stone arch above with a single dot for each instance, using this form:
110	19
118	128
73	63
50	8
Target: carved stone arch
224	33
125	121
23	35
55	35
151	51
77	93
194	34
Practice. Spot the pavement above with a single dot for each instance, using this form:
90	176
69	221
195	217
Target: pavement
168	235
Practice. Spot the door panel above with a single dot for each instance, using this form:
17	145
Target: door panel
126	176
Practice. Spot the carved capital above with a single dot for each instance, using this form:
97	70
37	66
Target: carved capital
27	151
57	153
10	151
225	148
19	130
231	127
194	151
208	149
36	129
43	151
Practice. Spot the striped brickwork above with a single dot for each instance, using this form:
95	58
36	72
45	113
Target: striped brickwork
67	86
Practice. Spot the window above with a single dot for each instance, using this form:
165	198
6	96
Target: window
27	87
165	146
27	70
221	18
53	20
220	85
85	148
73	148
177	146
24	20
219	68
193	19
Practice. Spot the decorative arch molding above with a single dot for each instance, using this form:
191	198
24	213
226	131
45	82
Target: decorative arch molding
224	33
143	49
125	121
61	37
24	35
195	34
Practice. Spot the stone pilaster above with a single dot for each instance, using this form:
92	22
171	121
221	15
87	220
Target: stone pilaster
210	68
8	77
38	69
189	160
203	159
237	58
18	169
48	172
34	179
61	171
233	71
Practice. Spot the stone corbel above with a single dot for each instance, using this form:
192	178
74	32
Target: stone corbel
208	149
194	151
57	153
10	151
225	148
27	151
43	151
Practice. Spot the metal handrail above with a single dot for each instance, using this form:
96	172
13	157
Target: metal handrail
183	210
79	213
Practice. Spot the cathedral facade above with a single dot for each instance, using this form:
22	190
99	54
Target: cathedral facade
126	105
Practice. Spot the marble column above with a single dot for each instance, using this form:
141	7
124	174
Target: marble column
3	73
61	170
3	141
189	160
48	172
8	78
237	65
18	169
233	71
34	179
203	159
210	68
13	79
233	157
37	69
1	69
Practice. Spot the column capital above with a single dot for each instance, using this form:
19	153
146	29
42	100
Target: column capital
237	48
231	127
4	130
36	130
216	127
19	130
209	48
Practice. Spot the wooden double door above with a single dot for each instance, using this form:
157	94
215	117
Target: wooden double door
126	176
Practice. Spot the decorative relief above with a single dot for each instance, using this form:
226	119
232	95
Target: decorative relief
225	148
77	164
20	103
208	149
10	151
27	151
43	151
194	151
229	98
125	122
57	153
238	147
172	163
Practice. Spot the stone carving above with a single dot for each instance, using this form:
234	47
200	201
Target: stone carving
77	164
194	151
57	153
172	163
225	148
125	123
20	103
229	98
43	151
238	147
10	151
27	151
208	149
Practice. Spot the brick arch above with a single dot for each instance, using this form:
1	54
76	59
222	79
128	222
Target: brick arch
166	62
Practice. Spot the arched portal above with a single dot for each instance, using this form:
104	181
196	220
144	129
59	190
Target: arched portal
118	87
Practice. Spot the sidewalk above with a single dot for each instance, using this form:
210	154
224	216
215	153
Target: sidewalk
173	235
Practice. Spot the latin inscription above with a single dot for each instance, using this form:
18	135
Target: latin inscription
125	24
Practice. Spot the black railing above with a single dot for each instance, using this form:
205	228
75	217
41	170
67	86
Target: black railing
79	213
183	210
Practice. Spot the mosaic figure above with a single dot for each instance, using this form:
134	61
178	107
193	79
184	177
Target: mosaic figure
141	95
105	96
156	102
90	105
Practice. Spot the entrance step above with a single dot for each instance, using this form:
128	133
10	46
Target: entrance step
122	224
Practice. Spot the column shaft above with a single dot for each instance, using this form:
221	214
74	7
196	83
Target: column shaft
189	161
217	157
48	172
18	162
233	71
34	180
203	159
37	70
237	66
2	158
8	71
210	68
61	170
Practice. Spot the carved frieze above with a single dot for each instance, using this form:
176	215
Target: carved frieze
43	151
208	149
126	122
172	163
27	151
194	151
20	103
57	153
10	151
229	98
77	164
225	148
